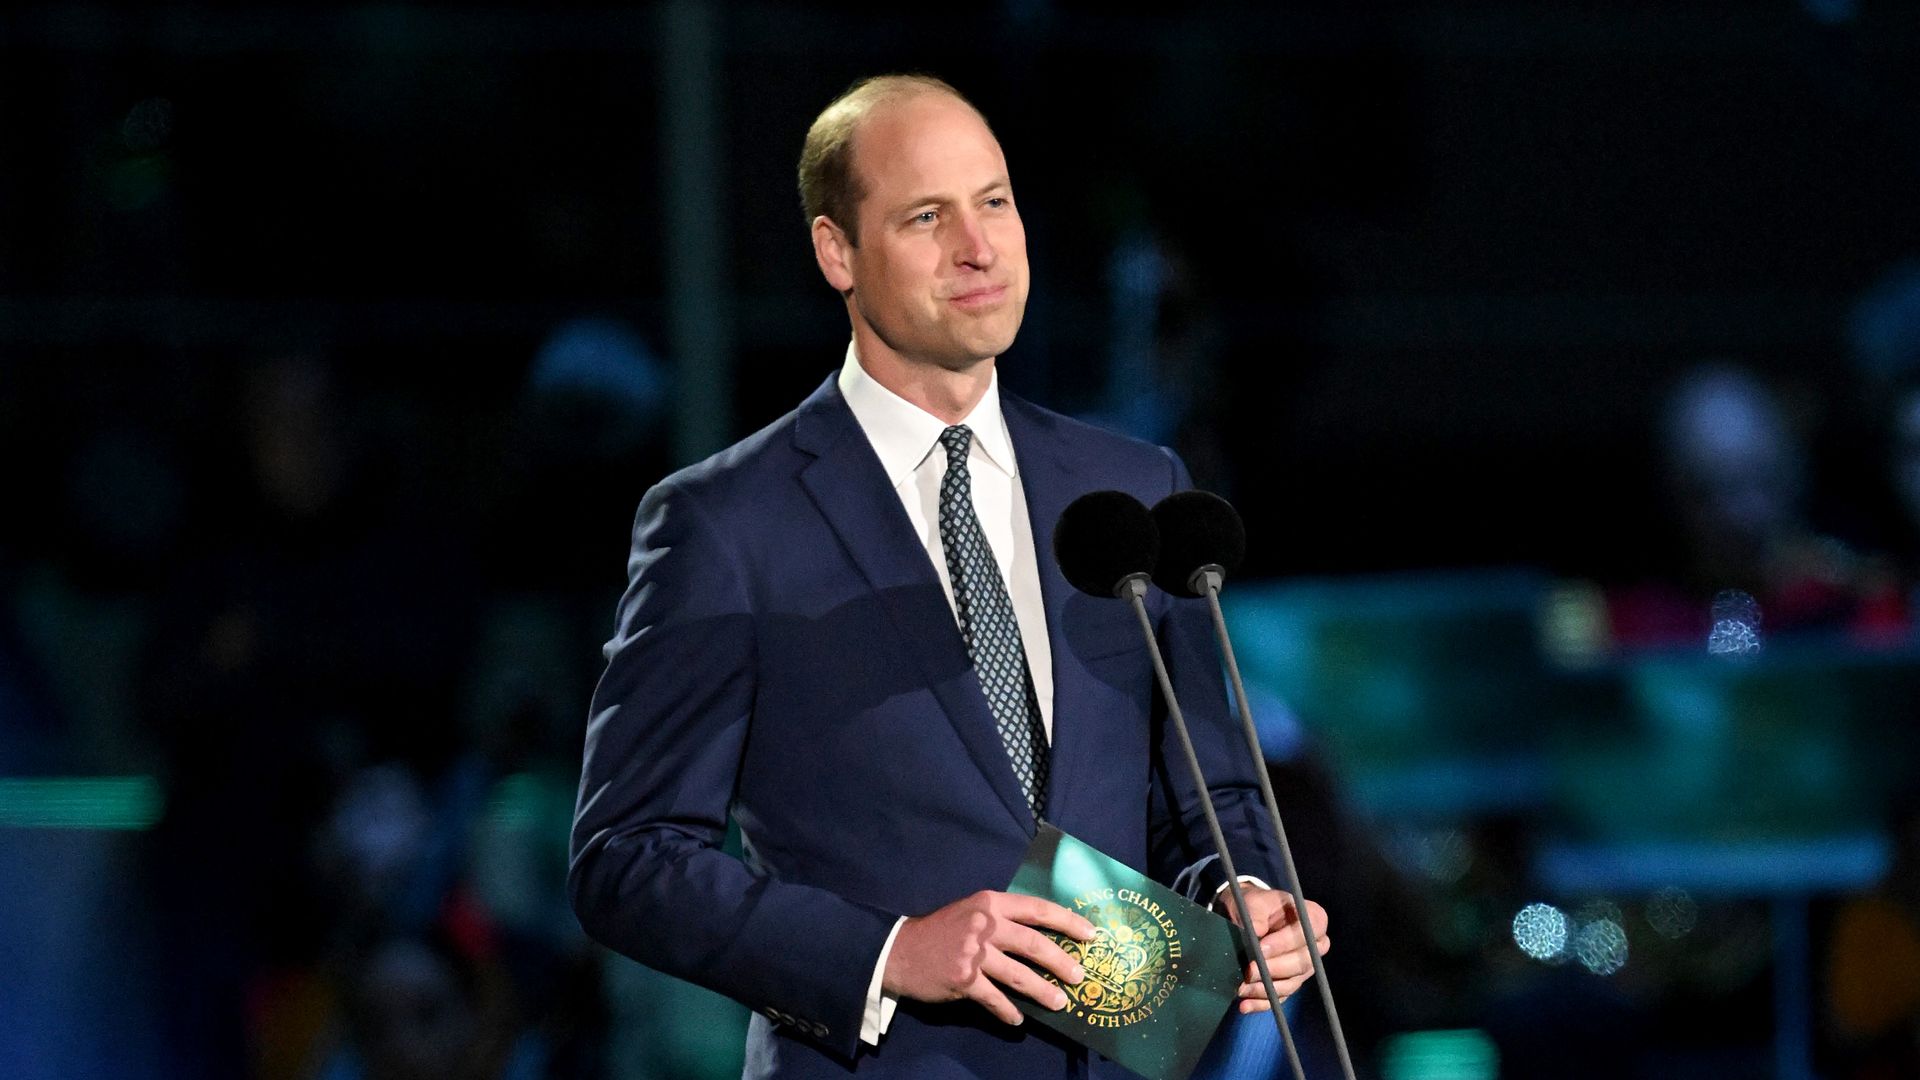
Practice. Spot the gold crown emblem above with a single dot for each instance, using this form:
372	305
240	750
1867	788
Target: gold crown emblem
1125	962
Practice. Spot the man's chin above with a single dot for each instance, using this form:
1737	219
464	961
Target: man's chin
987	345
977	354
963	362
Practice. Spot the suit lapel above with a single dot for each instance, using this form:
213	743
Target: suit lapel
1050	481
848	485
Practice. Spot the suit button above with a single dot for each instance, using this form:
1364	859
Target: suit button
819	1031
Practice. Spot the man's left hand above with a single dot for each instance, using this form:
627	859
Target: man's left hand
1281	939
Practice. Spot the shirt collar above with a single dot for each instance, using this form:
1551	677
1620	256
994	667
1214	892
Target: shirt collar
903	434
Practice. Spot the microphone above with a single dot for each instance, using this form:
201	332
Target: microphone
1108	546
1105	542
1202	541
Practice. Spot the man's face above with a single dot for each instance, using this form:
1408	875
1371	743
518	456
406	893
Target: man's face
940	272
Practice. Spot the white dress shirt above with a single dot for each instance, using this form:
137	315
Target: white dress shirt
907	441
906	438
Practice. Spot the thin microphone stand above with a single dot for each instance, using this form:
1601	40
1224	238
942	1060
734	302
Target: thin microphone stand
1134	588
1207	581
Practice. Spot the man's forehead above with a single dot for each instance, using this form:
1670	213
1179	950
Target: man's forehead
930	131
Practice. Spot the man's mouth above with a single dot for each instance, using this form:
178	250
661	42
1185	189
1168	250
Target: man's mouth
975	299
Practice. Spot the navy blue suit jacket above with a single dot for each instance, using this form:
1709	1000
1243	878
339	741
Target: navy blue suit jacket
785	654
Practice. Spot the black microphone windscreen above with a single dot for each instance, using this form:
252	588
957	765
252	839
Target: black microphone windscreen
1197	528
1103	538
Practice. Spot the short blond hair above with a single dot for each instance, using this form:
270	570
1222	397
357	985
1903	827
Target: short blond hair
829	187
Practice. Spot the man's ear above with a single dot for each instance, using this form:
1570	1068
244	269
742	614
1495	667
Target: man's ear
834	252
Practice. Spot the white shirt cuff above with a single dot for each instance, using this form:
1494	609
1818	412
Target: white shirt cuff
880	1004
1245	879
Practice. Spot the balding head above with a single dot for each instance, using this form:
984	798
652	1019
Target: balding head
830	182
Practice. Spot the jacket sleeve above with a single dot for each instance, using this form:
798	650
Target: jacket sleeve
665	737
1178	825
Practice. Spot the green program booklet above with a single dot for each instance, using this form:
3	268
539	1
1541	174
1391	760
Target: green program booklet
1161	970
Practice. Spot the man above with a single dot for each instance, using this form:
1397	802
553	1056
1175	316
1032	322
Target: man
847	632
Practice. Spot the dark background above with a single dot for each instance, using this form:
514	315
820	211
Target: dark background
1452	249
293	503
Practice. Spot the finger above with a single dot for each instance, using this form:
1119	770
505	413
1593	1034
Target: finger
1016	976
1290	940
1264	906
1292	962
1315	914
1284	940
1034	911
993	999
1019	940
1285	986
1286	966
1285	911
1259	1002
1273	910
1296	966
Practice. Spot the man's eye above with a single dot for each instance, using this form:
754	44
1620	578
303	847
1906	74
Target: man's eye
997	202
925	217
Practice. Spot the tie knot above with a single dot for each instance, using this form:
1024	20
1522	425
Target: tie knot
957	439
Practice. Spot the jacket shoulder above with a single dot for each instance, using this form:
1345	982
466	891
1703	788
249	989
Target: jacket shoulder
1108	451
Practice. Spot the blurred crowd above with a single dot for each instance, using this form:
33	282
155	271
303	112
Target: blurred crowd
354	650
324	501
351	627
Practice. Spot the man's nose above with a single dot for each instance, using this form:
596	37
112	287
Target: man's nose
971	245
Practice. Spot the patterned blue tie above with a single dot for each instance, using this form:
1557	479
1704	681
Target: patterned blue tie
987	624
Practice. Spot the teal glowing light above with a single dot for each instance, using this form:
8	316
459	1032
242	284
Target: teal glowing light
517	801
80	802
1463	1054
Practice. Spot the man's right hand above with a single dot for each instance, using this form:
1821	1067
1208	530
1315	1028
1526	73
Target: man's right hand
968	949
